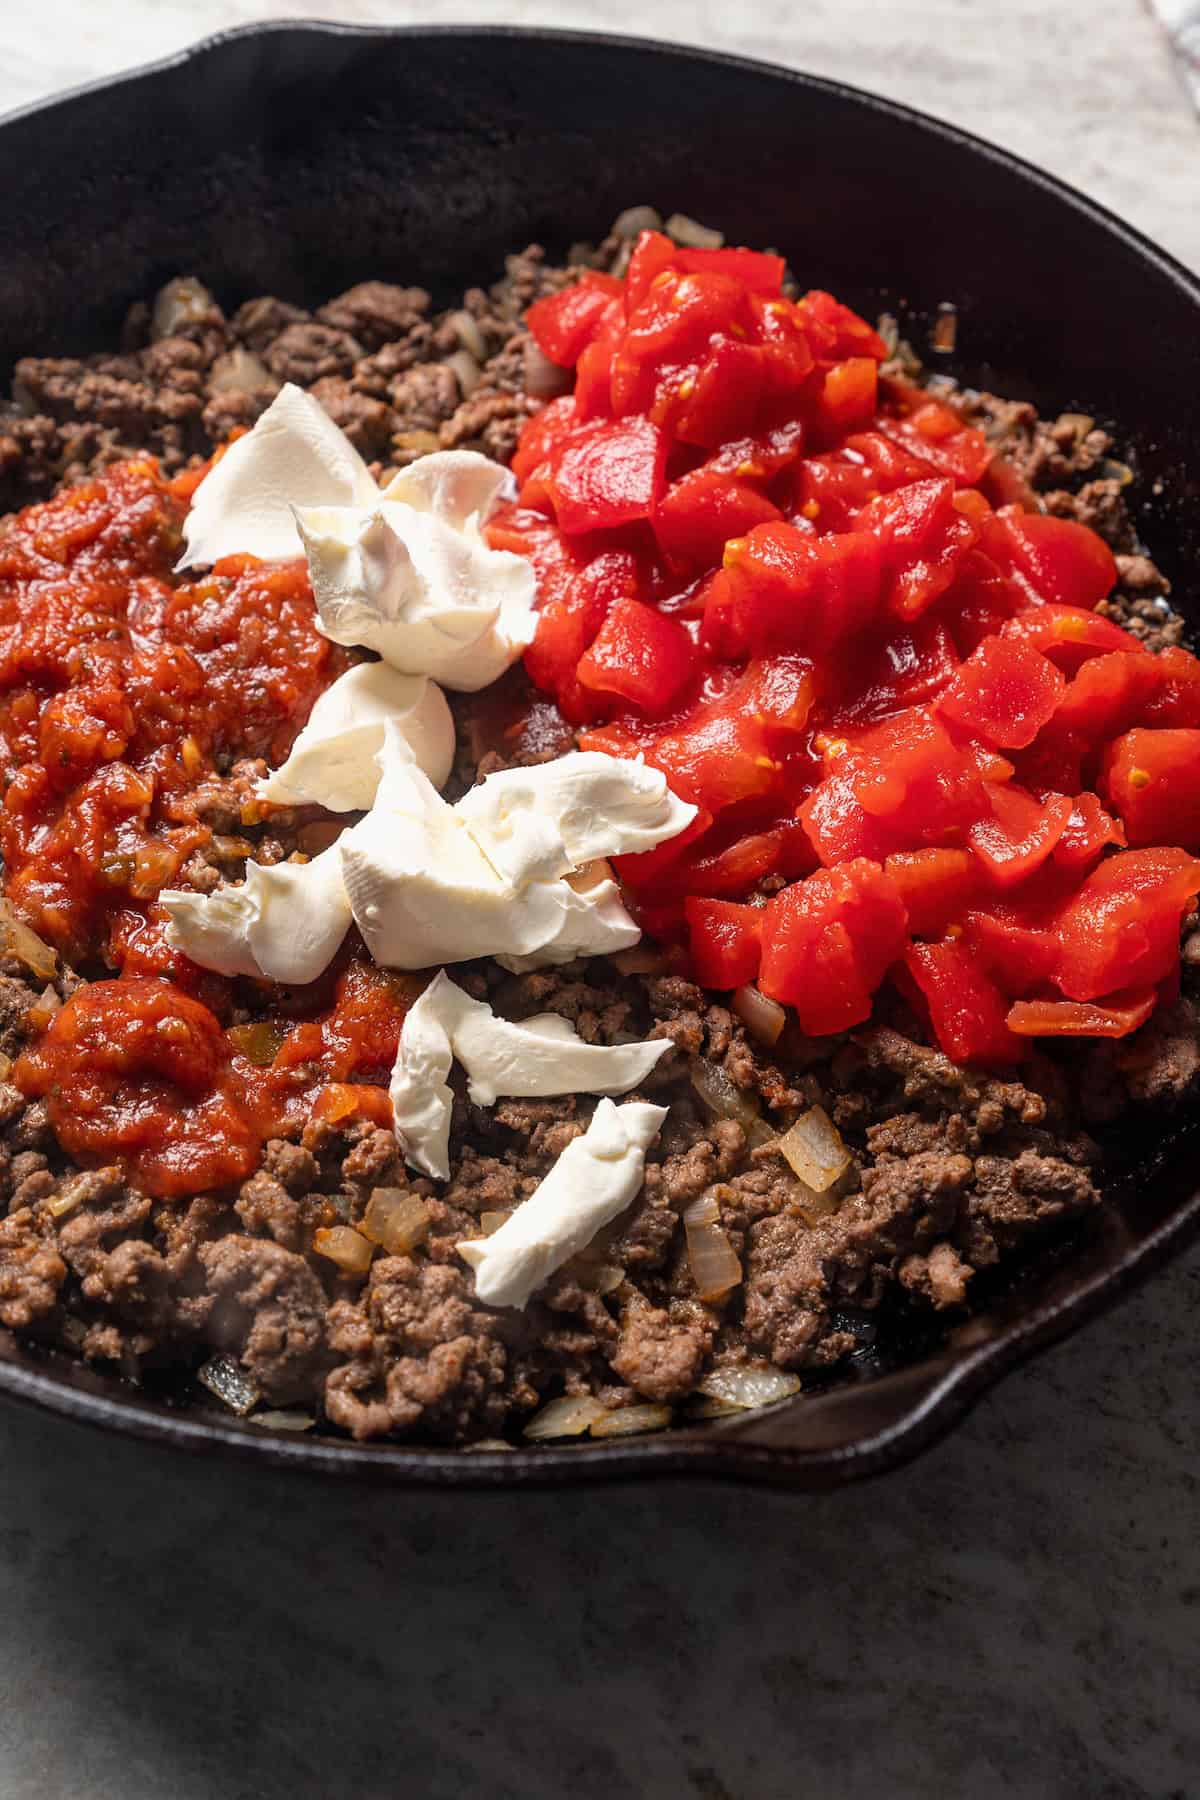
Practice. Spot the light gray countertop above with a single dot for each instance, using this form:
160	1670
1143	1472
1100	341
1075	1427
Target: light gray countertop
1014	1614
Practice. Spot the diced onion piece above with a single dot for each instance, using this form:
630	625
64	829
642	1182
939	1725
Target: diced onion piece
763	1018
747	1389
714	1263
43	1009
692	234
466	370
704	1211
606	1278
634	220
225	1378
568	1416
396	1219
702	1407
65	1201
719	1094
541	378
17	940
342	1245
285	1421
628	1421
466	329
815	1150
486	1444
490	1222
759	1135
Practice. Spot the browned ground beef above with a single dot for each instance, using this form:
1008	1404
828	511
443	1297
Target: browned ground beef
952	1171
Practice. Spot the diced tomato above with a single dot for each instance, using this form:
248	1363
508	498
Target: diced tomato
1068	635
567	624
832	489
1017	833
563	324
935	432
836	332
679	313
788	590
717	757
725	941
923	539
737	869
913	666
1059	559
1122	927
1177	701
1018	954
979	601
904	784
1116	1018
847	399
1151	779
935	885
1108	695
760	458
758	271
640	655
699	513
966	1008
1004	693
1089	831
653	254
717	400
593	371
541	435
650	869
847	657
608	474
828	941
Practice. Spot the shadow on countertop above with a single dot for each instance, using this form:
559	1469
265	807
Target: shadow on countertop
1016	1613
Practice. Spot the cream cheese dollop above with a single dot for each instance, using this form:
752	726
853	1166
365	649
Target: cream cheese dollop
334	761
538	822
432	883
403	570
282	923
542	1055
429	597
595	1178
295	452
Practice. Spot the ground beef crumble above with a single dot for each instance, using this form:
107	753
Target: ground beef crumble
951	1172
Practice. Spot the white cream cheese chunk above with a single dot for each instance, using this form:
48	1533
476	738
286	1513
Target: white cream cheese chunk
460	486
540	1056
540	821
429	597
594	922
594	1180
295	452
334	761
421	889
283	923
430	883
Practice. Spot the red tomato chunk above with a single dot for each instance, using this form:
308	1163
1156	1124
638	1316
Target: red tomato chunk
812	596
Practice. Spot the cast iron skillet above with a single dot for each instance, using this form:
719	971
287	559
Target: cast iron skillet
298	159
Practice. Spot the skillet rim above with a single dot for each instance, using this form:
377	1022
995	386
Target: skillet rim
931	1396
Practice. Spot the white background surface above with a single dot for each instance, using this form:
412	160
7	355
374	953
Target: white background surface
1084	87
1015	1615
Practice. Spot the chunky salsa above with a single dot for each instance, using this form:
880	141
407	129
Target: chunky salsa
124	693
811	593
